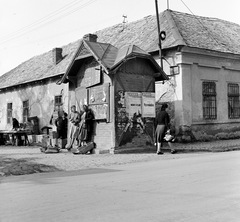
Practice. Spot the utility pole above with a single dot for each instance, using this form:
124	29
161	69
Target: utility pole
159	39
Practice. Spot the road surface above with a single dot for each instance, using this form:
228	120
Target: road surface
193	187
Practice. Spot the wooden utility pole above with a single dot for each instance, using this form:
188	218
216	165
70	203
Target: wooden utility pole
159	39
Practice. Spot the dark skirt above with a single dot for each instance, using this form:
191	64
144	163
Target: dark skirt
83	136
160	133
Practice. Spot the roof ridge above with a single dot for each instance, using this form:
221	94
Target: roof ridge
173	27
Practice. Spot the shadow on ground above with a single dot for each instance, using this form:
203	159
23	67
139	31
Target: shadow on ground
23	166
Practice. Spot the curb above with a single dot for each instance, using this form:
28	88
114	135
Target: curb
179	149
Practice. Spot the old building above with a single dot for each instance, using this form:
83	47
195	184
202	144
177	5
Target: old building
119	87
200	56
30	89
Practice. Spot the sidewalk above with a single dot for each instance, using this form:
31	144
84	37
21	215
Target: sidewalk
27	160
212	146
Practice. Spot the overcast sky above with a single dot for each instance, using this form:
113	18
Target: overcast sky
31	27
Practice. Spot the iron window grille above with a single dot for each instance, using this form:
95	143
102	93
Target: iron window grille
25	110
9	113
209	100
233	101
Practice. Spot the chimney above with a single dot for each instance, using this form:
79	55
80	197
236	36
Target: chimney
90	37
57	55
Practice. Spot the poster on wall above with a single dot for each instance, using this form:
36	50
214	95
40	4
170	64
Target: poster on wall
133	103
148	104
100	111
99	94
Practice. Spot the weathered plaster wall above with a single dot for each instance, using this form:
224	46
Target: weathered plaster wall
41	101
196	67
221	70
185	89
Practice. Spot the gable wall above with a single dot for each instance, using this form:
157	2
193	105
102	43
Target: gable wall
103	134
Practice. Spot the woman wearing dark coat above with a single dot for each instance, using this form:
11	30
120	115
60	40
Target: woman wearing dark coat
85	126
162	123
61	123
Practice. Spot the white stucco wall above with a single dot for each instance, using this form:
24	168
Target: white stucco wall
196	66
41	101
220	68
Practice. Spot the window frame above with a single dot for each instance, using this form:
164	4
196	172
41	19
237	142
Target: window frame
233	101
25	113
209	104
9	111
56	102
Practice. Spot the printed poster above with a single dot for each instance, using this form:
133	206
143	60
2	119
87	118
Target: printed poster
148	104
133	103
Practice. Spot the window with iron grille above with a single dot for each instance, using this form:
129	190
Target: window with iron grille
57	101
233	101
209	100
9	113
25	110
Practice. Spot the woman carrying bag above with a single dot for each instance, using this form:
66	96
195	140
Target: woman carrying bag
162	125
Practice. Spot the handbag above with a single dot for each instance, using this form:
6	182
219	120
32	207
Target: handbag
168	137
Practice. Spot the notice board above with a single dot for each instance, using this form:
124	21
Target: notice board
99	101
140	103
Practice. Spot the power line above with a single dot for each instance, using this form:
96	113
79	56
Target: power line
62	33
201	23
43	18
46	20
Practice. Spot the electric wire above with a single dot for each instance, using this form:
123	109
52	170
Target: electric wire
206	29
43	18
47	22
61	33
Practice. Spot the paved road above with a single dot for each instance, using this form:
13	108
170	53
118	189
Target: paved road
191	187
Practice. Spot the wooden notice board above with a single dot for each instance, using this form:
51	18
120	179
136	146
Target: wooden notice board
99	101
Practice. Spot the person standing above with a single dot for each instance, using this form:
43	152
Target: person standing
61	123
162	124
15	124
74	119
65	126
85	126
54	116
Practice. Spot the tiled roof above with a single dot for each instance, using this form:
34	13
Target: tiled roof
110	57
181	29
38	68
208	33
